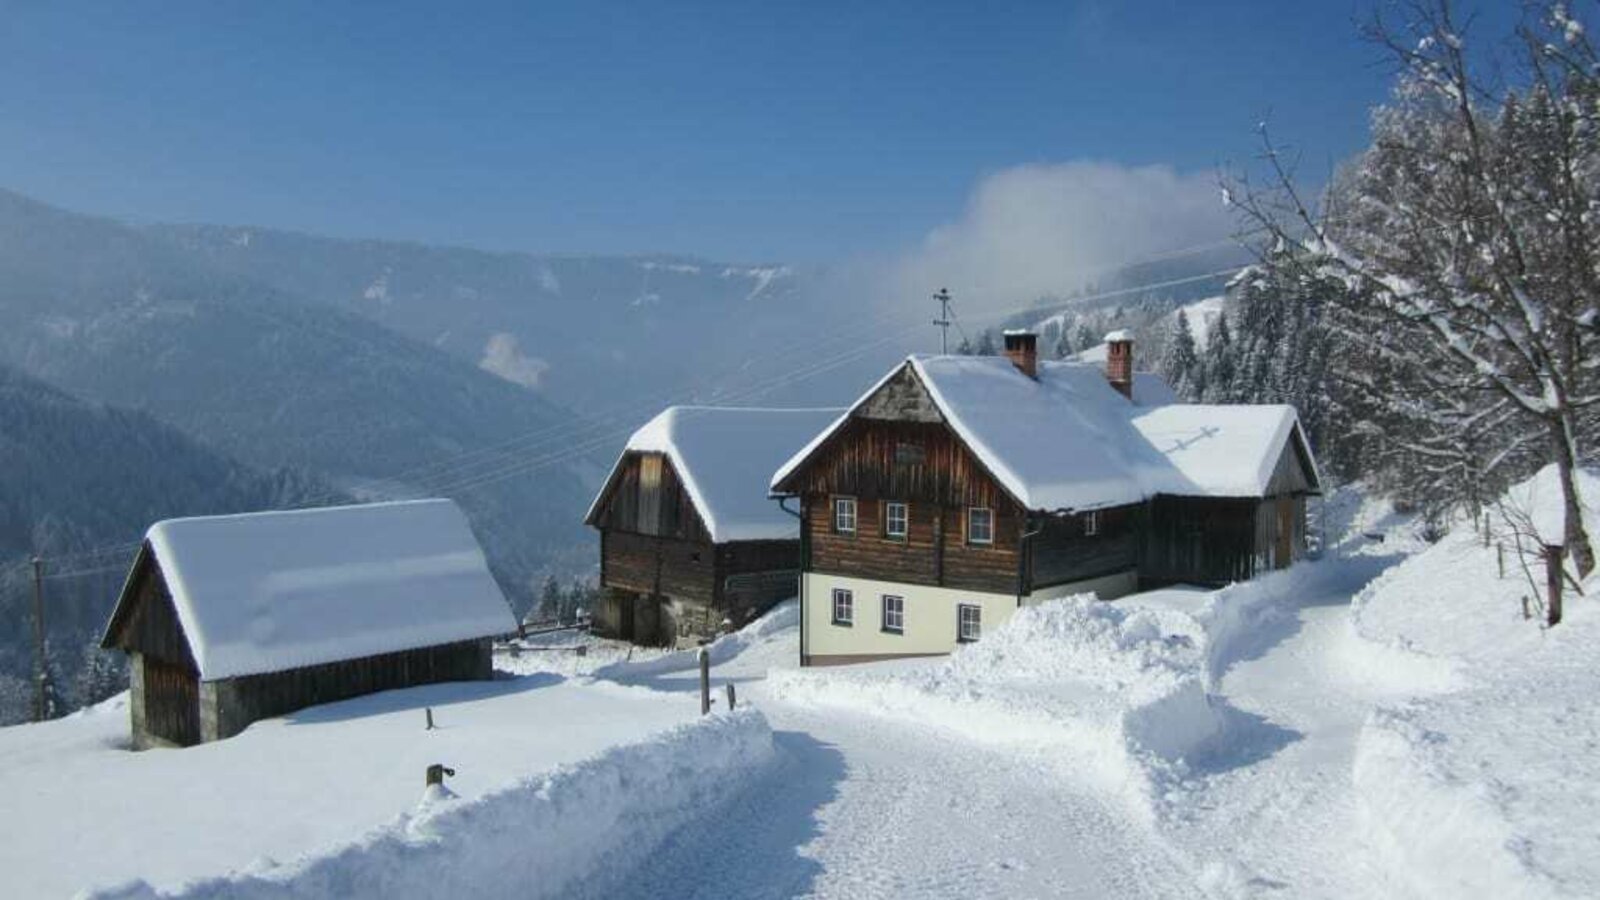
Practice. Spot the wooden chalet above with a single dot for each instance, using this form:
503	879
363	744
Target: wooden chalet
960	488
231	619
689	542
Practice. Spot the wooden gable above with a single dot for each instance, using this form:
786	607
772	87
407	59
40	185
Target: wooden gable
1294	472
896	444
145	619
645	496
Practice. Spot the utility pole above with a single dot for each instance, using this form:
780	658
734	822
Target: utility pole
38	640
943	296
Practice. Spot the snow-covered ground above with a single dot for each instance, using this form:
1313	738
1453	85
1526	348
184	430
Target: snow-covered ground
1381	722
81	810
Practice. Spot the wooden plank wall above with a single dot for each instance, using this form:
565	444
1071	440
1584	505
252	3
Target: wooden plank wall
236	702
1198	540
1062	553
660	565
873	461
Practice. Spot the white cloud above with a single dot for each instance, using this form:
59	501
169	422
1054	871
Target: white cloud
1044	230
502	357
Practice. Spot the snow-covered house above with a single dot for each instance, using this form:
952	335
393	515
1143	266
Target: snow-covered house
230	619
688	538
959	488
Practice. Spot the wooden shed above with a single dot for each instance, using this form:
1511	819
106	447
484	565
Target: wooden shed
689	540
231	619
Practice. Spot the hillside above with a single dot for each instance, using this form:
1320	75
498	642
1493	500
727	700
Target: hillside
583	330
81	475
121	315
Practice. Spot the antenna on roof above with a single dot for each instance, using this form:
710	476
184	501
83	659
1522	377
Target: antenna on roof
943	296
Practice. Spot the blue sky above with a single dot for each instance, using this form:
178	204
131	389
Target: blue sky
743	131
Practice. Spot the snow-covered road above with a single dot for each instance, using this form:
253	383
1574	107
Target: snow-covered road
867	808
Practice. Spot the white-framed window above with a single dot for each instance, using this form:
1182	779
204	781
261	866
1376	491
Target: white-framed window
1091	523
844	515
894	614
969	622
844	607
980	525
895	519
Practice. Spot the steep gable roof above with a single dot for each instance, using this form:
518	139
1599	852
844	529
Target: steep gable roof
1067	440
723	456
265	592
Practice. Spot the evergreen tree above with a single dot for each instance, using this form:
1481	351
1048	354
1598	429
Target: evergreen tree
551	600
101	676
986	345
1219	362
1180	364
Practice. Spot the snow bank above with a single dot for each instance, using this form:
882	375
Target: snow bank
1488	787
785	615
1114	693
576	831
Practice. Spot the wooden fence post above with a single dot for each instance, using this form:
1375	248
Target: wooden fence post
730	696
428	712
1500	559
705	682
1552	581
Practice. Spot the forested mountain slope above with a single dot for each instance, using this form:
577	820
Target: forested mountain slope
80	475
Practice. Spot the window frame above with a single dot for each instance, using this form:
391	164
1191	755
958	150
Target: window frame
973	540
883	613
1091	523
905	521
849	598
961	622
855	515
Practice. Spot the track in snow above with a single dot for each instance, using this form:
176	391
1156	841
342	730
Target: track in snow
865	808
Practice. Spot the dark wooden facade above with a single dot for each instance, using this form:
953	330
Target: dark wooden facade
663	580
171	704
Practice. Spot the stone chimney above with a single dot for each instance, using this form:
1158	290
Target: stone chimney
1022	348
1119	361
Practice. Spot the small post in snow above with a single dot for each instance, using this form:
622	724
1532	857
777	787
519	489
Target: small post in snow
729	686
428	711
437	772
1552	581
705	682
1500	559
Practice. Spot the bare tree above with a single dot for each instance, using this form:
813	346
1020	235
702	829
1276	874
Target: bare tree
1468	238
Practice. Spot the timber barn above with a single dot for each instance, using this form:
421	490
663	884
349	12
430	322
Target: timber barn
959	488
231	619
690	544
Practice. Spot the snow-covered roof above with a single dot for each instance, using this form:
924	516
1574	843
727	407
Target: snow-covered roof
723	456
1068	440
266	592
1220	450
1121	334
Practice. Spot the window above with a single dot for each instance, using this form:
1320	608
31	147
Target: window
969	622
894	614
844	515
1091	523
894	520
909	454
844	607
980	525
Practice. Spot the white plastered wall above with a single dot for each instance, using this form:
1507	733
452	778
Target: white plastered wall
930	612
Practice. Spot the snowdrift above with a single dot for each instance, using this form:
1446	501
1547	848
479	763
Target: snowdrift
784	616
1487	787
576	831
1115	694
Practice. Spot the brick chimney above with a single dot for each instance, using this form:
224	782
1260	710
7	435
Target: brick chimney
1022	348
1119	361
